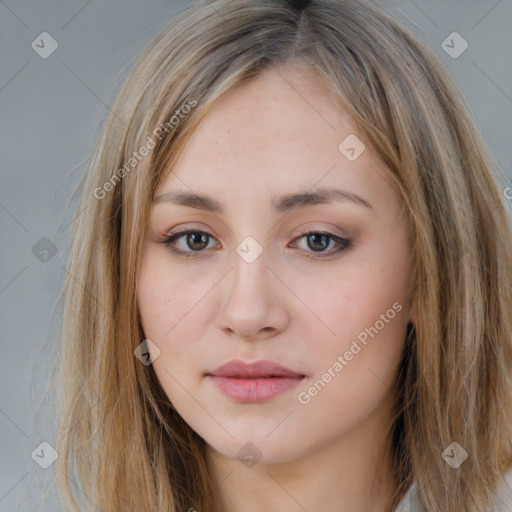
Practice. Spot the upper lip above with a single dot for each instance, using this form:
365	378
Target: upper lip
263	368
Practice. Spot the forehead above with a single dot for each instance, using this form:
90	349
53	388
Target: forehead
278	109
279	132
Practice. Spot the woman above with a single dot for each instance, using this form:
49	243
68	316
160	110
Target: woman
291	286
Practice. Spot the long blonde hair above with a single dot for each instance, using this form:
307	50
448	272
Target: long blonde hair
118	434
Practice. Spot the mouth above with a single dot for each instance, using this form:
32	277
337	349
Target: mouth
264	368
254	382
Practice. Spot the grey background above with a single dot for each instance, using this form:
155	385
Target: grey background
52	109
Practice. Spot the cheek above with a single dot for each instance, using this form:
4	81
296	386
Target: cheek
163	292
363	309
379	279
378	313
176	312
357	369
165	302
352	298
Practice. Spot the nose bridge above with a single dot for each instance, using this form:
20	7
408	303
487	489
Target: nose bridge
250	302
250	272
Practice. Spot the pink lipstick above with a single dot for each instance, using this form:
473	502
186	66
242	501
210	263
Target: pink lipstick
254	382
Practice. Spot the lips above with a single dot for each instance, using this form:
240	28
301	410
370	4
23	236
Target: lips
254	382
258	369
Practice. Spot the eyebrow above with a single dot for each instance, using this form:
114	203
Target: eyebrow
280	205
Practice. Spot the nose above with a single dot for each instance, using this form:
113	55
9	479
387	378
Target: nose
253	301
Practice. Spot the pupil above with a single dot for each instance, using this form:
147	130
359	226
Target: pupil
324	241
200	238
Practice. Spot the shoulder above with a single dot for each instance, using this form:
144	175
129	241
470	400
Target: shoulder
411	502
504	495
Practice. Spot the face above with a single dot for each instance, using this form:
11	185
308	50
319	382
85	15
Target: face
316	284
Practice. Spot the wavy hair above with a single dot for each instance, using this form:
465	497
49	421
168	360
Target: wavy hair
118	434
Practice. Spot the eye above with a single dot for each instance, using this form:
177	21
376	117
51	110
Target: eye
194	239
197	241
319	241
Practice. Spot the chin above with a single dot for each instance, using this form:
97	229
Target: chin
252	449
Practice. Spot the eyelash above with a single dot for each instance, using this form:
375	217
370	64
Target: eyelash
169	241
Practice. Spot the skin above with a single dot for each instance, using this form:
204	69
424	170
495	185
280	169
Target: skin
276	135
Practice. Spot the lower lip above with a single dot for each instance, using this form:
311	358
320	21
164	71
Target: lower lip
254	390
